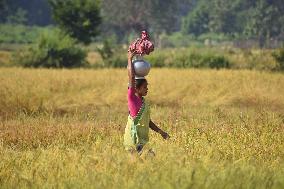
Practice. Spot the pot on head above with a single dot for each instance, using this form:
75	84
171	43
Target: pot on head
141	67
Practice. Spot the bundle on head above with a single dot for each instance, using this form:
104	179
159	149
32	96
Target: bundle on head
142	45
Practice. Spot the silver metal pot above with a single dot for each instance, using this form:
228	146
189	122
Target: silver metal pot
141	67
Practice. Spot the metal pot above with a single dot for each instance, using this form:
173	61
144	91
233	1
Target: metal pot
141	67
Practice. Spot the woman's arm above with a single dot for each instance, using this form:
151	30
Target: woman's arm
131	73
155	128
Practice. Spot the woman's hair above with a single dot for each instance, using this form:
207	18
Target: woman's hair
139	83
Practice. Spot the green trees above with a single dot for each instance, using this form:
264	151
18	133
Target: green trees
261	19
79	21
127	15
52	50
79	18
163	15
197	21
2	4
36	12
218	16
223	16
266	21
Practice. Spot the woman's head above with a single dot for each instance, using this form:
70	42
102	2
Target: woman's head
141	87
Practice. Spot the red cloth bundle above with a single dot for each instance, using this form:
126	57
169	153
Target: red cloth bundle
142	45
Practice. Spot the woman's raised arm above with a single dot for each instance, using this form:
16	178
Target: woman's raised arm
131	72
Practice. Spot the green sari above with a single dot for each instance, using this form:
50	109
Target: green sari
137	128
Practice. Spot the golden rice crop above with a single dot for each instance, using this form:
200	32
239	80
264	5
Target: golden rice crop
64	129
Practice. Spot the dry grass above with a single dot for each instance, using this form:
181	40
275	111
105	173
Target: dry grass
64	128
5	58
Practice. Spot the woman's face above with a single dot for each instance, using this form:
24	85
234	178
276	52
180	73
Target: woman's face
143	89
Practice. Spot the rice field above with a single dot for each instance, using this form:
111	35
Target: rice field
64	129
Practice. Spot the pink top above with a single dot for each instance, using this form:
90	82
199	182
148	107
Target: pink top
134	102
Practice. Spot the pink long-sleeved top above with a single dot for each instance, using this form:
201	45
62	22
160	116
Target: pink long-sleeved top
134	102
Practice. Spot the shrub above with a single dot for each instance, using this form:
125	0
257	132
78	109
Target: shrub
117	61
214	61
214	36
53	50
156	61
106	51
187	58
177	40
112	54
279	57
20	34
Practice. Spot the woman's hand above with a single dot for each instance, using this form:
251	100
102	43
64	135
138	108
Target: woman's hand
165	135
130	55
155	128
131	72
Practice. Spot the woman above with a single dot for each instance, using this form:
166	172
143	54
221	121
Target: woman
137	129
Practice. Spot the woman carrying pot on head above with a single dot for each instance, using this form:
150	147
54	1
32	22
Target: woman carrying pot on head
139	121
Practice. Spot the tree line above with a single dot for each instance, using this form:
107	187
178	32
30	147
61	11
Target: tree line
259	19
83	21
